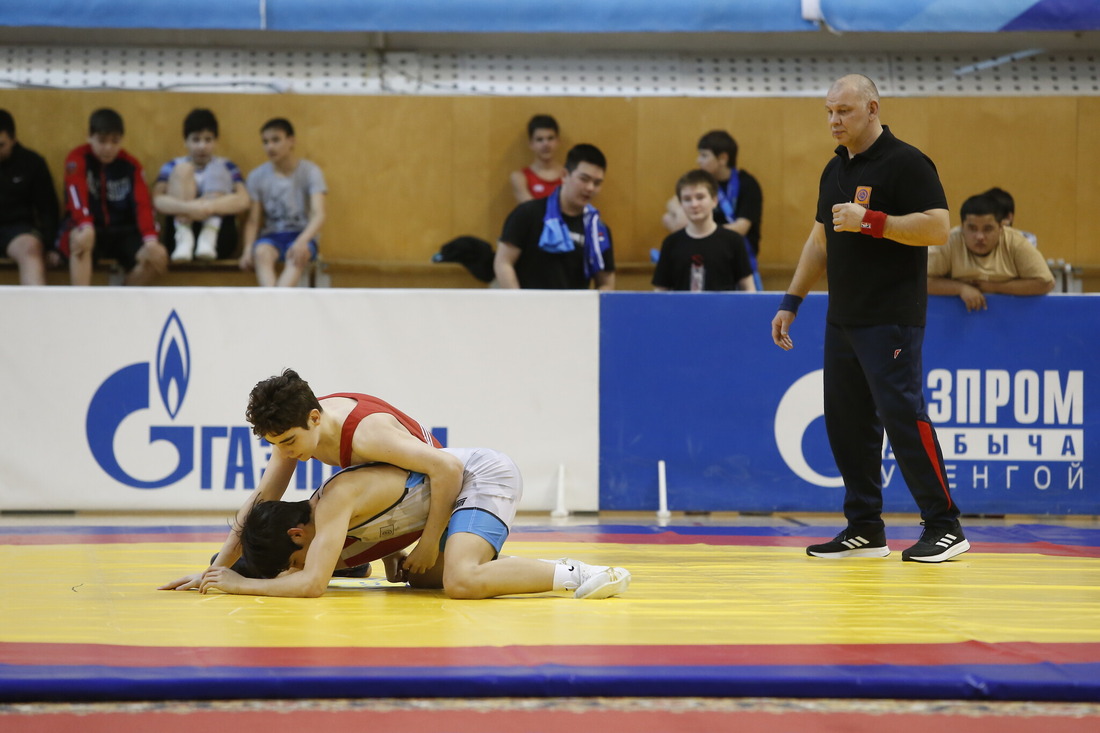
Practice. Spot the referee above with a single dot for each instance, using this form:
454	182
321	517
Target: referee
884	204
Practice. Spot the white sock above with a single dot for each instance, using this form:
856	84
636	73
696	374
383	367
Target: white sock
208	237
563	578
185	242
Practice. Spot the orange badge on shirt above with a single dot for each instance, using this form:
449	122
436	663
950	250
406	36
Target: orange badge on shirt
863	196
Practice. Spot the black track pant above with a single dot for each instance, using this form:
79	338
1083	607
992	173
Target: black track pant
873	379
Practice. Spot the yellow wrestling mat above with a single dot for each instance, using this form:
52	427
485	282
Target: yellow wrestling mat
681	594
712	611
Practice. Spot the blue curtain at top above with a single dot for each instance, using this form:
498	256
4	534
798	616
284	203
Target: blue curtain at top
425	16
961	16
560	16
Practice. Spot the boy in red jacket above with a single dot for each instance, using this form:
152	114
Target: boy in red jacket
108	209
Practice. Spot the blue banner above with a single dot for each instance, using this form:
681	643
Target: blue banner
961	16
424	16
566	16
694	379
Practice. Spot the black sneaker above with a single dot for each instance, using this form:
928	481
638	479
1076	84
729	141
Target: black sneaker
937	545
851	543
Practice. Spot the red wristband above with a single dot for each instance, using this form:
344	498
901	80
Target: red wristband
874	222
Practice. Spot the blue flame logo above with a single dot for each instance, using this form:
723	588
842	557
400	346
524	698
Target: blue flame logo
128	391
173	364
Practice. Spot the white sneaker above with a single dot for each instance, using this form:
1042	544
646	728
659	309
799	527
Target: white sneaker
185	243
207	247
595	581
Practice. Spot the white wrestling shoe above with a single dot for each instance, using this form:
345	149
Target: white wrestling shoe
595	581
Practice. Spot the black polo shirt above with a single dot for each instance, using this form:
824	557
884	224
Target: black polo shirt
878	281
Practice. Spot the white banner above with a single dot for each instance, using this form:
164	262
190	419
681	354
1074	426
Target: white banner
134	399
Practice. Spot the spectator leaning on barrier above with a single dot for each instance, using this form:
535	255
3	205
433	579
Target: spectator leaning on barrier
984	256
109	211
28	205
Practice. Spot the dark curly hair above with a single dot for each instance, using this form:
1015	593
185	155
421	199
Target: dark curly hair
280	403
265	544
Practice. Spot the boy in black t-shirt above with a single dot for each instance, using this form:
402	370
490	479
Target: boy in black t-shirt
702	255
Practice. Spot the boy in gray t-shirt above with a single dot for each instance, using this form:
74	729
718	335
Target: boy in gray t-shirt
288	209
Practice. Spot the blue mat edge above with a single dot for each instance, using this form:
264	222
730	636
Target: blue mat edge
1035	682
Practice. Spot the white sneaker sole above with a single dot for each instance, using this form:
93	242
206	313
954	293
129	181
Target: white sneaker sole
947	554
861	552
604	584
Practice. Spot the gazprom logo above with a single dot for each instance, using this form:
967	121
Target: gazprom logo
126	392
134	432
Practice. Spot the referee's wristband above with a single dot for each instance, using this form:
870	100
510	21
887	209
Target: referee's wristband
790	303
874	223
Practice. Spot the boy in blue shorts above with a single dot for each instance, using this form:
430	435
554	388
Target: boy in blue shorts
288	209
373	511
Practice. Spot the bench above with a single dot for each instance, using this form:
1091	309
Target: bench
198	273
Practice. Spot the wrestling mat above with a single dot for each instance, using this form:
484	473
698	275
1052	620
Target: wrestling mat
713	611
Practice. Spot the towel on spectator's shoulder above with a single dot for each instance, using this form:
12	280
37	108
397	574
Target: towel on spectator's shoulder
556	238
727	196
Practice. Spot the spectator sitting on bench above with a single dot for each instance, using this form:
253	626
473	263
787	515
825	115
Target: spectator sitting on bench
288	209
200	195
109	211
28	205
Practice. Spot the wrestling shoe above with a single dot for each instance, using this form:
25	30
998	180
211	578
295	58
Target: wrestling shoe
937	545
851	543
595	581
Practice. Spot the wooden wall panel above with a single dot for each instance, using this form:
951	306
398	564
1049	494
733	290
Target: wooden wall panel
408	173
1086	239
1026	145
668	132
